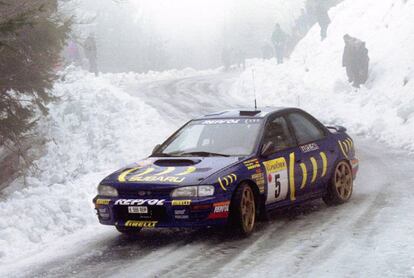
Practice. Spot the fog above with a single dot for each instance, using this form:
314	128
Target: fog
142	35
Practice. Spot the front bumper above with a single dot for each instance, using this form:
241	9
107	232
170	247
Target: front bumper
162	213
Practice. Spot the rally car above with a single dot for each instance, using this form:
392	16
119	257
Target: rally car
231	168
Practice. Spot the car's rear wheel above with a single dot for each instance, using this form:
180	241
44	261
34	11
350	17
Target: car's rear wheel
341	185
243	210
129	231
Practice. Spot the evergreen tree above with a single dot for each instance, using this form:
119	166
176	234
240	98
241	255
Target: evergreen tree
32	35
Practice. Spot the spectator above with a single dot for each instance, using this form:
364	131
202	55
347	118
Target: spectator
91	54
356	60
323	19
279	40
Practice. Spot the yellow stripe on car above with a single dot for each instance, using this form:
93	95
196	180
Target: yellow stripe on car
324	163
292	176
305	175
122	176
221	184
346	146
342	149
315	169
188	171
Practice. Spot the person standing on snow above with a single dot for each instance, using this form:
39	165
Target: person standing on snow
91	54
361	63
323	19
356	60
279	40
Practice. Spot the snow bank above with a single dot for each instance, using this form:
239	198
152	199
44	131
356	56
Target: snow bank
95	129
314	79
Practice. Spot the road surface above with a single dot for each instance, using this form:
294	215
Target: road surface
371	236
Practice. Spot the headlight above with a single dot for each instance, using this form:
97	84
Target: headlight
107	190
194	191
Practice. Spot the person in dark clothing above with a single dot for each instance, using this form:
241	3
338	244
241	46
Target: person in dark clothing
361	63
279	40
347	58
91	54
356	60
323	19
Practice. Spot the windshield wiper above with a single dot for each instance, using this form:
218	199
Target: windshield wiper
203	154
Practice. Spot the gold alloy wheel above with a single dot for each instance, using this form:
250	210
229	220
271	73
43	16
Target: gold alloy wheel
343	180
248	209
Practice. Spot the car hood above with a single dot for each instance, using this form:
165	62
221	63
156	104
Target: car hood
159	172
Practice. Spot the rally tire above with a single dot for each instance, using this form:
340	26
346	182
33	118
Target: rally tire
243	210
340	187
129	231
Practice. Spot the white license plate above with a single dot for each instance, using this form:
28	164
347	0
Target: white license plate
138	210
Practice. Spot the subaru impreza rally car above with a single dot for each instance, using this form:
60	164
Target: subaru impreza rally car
231	167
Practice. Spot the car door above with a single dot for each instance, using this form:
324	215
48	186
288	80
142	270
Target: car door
313	153
279	162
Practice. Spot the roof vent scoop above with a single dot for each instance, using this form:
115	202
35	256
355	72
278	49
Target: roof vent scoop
250	113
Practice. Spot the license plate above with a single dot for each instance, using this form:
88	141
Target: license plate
141	210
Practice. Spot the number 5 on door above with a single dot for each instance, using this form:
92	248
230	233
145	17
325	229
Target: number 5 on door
277	179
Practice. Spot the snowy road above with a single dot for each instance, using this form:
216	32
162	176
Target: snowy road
368	237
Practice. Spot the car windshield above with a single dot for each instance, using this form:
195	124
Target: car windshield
223	137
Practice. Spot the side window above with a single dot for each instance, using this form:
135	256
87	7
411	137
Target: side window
277	132
305	130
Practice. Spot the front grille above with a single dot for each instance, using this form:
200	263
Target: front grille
156	213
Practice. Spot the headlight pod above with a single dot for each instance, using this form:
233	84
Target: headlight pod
107	190
193	191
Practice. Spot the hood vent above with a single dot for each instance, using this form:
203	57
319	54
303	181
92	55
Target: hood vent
176	162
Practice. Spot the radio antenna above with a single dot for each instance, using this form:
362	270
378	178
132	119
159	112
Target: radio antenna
254	90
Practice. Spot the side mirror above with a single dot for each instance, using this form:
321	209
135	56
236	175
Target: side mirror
268	149
156	148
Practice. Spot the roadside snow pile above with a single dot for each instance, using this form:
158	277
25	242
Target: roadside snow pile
95	129
313	78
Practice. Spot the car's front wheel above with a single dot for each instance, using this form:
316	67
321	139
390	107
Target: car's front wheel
129	231
243	210
341	186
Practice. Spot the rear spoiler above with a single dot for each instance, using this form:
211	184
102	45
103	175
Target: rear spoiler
337	129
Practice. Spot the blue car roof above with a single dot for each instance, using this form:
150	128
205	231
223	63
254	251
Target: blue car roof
243	113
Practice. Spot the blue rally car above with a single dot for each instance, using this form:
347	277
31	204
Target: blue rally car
230	168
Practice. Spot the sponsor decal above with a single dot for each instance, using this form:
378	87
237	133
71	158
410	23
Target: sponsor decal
140	202
227	181
252	164
179	211
181	202
103	201
220	122
252	121
141	224
156	179
181	216
259	179
220	210
160	174
277	179
309	147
